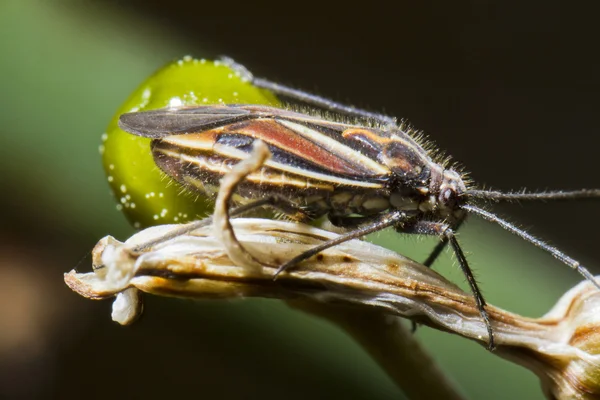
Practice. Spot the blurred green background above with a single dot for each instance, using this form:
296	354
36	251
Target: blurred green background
512	93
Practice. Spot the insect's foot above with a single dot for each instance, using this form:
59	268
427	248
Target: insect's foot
491	345
281	269
413	327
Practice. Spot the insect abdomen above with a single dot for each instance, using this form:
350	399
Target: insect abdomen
201	171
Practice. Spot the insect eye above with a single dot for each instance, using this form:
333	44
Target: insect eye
447	195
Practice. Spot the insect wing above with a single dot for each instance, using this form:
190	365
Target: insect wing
163	122
302	146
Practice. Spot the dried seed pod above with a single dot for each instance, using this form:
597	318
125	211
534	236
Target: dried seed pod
562	347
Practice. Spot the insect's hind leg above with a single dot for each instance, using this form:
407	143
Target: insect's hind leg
307	98
444	231
378	224
342	221
275	202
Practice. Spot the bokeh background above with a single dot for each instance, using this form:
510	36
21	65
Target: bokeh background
510	92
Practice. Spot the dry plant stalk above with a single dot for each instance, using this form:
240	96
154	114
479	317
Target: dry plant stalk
562	347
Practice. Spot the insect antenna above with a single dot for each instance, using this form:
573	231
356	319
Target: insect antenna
556	253
533	196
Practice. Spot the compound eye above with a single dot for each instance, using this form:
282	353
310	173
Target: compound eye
447	195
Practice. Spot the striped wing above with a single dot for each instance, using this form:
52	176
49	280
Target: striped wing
198	145
163	122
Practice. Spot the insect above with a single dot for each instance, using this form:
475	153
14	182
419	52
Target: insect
363	176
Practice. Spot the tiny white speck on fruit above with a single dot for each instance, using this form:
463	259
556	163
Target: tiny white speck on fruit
101	149
110	178
146	94
111	166
123	200
132	205
175	102
119	207
235	94
123	188
187	58
137	225
205	100
202	61
104	136
191	98
155	216
161	195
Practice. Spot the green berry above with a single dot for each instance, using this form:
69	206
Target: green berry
145	194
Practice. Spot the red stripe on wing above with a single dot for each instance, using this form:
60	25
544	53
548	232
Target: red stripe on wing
286	139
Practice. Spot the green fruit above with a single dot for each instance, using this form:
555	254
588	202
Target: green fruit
145	194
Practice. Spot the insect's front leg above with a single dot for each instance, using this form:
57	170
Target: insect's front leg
307	98
440	246
433	256
445	232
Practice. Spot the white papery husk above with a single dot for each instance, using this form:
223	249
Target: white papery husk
561	348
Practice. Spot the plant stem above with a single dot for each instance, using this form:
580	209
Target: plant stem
393	347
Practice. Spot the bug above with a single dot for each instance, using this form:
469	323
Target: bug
364	176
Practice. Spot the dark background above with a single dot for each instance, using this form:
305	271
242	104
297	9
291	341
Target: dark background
511	92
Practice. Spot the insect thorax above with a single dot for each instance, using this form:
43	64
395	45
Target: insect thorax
418	183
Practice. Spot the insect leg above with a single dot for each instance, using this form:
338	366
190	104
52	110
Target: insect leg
435	253
342	221
273	201
307	98
433	256
379	224
446	232
440	246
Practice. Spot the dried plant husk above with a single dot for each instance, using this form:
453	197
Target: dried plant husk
561	347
